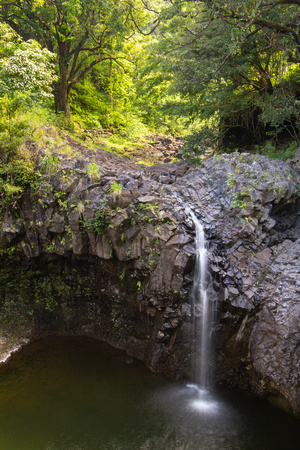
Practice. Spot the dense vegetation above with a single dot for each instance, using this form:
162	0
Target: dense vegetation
228	72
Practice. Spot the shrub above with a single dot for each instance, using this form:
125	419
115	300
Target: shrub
98	223
49	164
115	189
197	143
278	152
94	172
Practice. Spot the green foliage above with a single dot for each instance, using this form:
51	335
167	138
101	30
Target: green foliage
145	212
89	107
99	222
115	189
281	111
196	144
160	108
275	152
81	33
146	207
16	166
107	101
231	62
49	164
237	198
12	125
93	172
7	251
26	67
63	122
232	70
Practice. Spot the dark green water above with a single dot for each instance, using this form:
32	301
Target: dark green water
76	393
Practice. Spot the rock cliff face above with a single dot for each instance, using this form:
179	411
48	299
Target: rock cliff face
250	207
107	250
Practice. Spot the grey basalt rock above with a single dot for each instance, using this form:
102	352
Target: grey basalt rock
129	283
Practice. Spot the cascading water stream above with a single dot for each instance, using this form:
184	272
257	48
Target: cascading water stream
203	308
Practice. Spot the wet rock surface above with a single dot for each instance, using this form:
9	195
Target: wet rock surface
113	258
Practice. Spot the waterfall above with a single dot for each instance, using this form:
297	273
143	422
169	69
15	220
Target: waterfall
203	308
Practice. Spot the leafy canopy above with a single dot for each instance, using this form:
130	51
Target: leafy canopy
233	61
82	33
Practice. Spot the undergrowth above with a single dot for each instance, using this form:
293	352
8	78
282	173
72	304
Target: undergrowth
31	131
282	152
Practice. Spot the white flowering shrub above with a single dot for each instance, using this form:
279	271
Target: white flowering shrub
28	68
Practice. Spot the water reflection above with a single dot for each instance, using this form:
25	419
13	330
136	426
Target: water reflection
71	393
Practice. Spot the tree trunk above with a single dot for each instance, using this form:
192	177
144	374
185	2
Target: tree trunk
62	100
61	104
111	86
61	92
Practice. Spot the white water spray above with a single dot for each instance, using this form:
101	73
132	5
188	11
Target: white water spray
203	308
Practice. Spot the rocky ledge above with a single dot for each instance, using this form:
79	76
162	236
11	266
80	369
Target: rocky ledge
104	248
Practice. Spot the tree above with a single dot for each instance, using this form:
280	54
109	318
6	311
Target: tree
280	17
225	57
275	23
82	33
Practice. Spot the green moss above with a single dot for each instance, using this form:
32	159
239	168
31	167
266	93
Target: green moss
25	290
